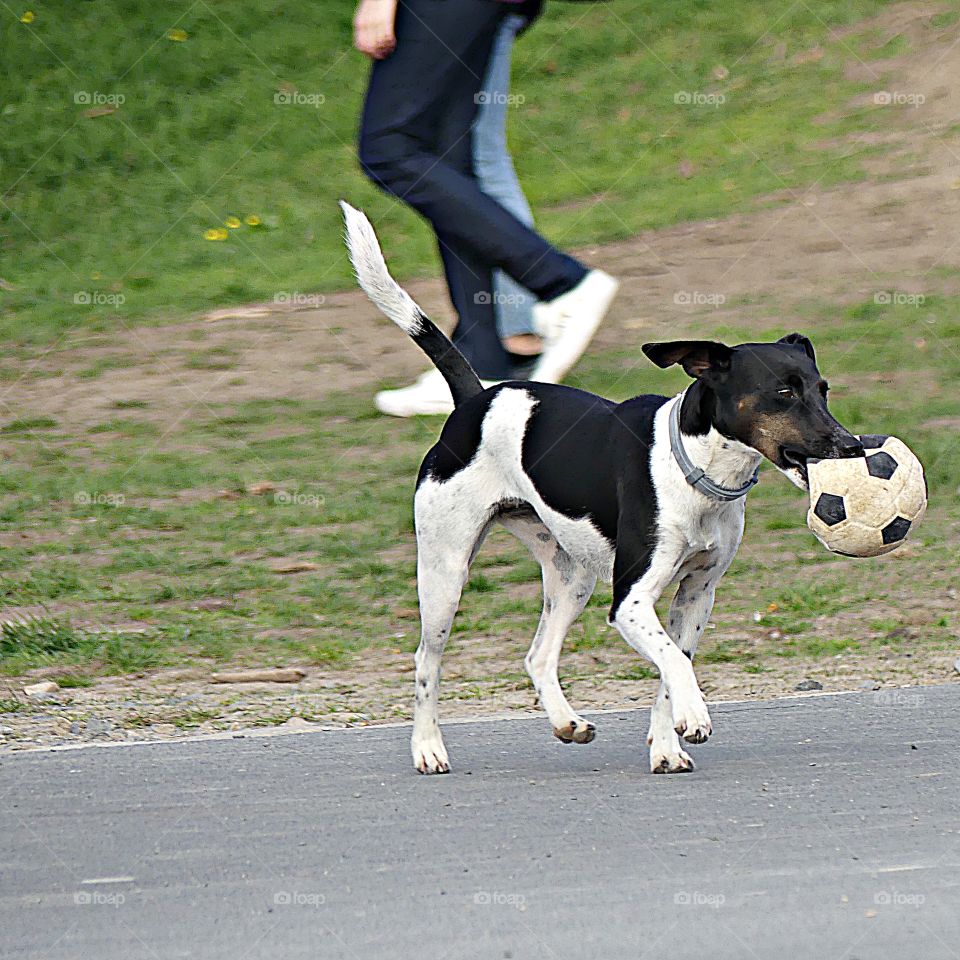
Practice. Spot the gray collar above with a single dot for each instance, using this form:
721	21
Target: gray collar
696	477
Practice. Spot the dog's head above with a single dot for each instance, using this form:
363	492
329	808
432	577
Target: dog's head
768	396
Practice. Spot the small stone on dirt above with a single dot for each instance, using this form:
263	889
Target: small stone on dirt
265	486
293	566
296	723
96	727
280	675
956	664
809	685
869	685
211	604
41	689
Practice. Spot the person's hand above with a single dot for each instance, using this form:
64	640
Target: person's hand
373	28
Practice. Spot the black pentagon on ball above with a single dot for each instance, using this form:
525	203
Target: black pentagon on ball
873	441
896	530
830	509
881	465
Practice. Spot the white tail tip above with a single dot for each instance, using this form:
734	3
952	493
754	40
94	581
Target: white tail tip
372	273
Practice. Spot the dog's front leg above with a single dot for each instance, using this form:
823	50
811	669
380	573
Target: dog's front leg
638	581
638	624
689	613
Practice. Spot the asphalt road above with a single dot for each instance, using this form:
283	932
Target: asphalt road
825	827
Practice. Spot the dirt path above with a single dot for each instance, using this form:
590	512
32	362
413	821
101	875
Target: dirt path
890	235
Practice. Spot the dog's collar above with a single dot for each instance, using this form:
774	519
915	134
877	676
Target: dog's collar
696	477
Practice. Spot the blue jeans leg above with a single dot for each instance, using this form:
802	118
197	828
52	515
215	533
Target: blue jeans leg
493	167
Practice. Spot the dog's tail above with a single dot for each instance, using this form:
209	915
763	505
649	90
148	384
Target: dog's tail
373	276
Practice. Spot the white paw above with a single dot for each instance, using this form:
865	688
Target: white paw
430	755
679	762
577	730
691	719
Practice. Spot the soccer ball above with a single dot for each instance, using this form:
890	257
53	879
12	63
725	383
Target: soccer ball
866	506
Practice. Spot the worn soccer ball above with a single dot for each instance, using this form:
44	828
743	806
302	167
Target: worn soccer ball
866	506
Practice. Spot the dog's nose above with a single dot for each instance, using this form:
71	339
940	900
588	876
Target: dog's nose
849	446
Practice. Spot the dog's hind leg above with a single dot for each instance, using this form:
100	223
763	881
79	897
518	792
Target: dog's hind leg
689	613
567	587
449	533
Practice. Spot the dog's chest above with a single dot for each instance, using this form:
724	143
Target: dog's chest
714	531
701	537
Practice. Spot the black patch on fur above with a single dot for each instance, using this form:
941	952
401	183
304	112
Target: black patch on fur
567	454
460	376
459	439
697	412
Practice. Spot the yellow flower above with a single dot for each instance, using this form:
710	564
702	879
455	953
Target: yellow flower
215	233
252	220
27	17
177	34
232	222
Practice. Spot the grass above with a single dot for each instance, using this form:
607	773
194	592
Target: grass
141	528
143	535
122	140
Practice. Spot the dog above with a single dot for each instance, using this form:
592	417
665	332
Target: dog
645	493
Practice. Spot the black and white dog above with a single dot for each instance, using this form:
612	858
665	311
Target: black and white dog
645	493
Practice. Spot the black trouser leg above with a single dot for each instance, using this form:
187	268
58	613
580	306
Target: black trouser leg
415	143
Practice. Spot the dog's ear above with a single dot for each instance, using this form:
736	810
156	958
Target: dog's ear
799	340
699	358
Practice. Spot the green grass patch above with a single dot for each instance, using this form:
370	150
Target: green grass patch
122	145
151	542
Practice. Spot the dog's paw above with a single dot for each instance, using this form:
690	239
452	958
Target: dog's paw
691	719
577	730
679	762
430	755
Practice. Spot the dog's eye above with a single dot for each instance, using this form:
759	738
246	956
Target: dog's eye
786	392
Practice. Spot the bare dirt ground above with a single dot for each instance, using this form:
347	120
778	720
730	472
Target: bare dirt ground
890	233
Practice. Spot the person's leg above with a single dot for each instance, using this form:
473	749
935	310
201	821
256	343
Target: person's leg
438	41
493	168
412	144
469	276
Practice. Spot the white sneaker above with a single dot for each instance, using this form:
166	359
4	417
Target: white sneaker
568	323
427	395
